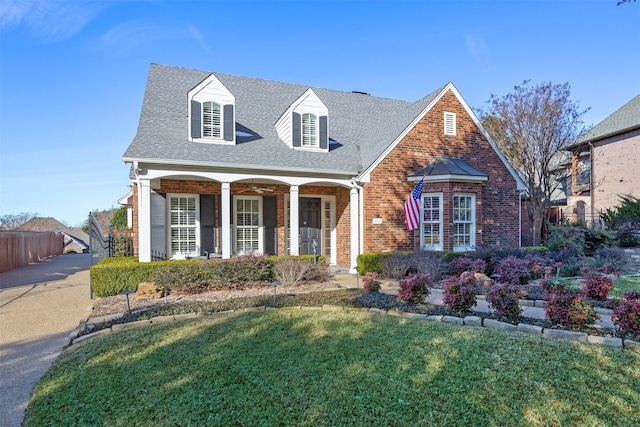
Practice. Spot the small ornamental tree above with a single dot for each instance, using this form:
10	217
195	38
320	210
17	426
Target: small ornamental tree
626	317
568	308
595	285
371	282
503	298
414	289
459	292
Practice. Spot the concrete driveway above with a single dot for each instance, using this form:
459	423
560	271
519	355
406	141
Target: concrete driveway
40	304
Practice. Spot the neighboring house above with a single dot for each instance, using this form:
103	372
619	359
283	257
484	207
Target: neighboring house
227	165
604	165
75	240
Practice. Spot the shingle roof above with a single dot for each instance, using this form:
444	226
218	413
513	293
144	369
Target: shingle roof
362	126
53	225
444	165
624	119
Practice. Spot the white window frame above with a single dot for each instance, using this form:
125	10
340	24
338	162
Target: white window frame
449	123
195	226
213	126
469	219
424	224
259	227
310	138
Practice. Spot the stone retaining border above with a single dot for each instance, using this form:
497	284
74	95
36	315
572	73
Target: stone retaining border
475	321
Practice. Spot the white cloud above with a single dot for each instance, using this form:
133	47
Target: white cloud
133	35
56	20
479	51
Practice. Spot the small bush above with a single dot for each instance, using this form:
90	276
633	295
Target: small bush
113	275
610	260
568	308
396	265
567	237
460	292
460	265
626	317
371	282
370	262
503	298
513	270
539	250
429	262
595	285
414	289
290	271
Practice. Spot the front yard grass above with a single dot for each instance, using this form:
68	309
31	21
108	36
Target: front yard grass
333	368
620	285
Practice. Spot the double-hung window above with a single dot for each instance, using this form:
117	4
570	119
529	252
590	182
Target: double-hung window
183	226
431	224
248	224
211	120
464	222
309	130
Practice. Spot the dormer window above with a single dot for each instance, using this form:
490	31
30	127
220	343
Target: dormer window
211	120
309	130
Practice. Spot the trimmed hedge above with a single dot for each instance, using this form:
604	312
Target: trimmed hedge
113	275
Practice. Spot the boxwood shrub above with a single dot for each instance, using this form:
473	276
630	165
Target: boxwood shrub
113	275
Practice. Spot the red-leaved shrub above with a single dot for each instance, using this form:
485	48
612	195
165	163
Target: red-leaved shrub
462	264
503	298
626	317
513	270
460	292
414	289
568	308
371	282
595	285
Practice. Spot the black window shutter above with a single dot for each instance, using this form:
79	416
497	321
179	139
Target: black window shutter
296	130
196	119
229	123
270	222
158	205
207	222
323	133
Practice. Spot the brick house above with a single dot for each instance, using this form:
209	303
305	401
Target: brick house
224	165
604	165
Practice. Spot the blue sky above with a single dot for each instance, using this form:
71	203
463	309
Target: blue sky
73	73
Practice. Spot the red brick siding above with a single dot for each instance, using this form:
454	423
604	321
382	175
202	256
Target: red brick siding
496	200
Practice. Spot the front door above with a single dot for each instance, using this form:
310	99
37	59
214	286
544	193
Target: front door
310	225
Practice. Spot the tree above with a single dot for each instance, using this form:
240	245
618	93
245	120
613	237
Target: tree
119	220
12	221
531	125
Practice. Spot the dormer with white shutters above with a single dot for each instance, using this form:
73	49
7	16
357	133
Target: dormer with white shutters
304	125
212	113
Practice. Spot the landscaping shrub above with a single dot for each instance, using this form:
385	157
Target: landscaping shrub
540	250
290	271
626	317
624	220
396	265
503	298
609	260
113	275
429	262
536	264
371	282
569	259
513	270
414	289
595	285
460	265
493	257
568	308
370	262
460	292
595	239
567	237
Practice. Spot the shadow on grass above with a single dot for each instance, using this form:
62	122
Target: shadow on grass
333	368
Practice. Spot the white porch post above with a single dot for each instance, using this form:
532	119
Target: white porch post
354	228
226	220
144	221
294	232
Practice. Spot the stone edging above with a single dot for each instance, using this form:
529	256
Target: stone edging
477	321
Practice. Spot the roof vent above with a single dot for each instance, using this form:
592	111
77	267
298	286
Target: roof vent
361	93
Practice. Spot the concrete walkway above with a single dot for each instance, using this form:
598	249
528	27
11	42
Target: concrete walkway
40	304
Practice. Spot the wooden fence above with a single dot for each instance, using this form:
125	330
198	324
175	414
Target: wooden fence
19	248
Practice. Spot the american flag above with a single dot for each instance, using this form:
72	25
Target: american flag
412	208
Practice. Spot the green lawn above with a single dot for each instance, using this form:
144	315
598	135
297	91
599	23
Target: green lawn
620	285
307	368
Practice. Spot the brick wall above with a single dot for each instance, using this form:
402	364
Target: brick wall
497	200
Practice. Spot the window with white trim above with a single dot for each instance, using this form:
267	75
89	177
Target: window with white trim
431	224
248	224
464	207
449	123
211	120
183	225
309	130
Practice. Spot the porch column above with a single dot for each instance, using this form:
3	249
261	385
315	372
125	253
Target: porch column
226	220
354	227
294	232
144	221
